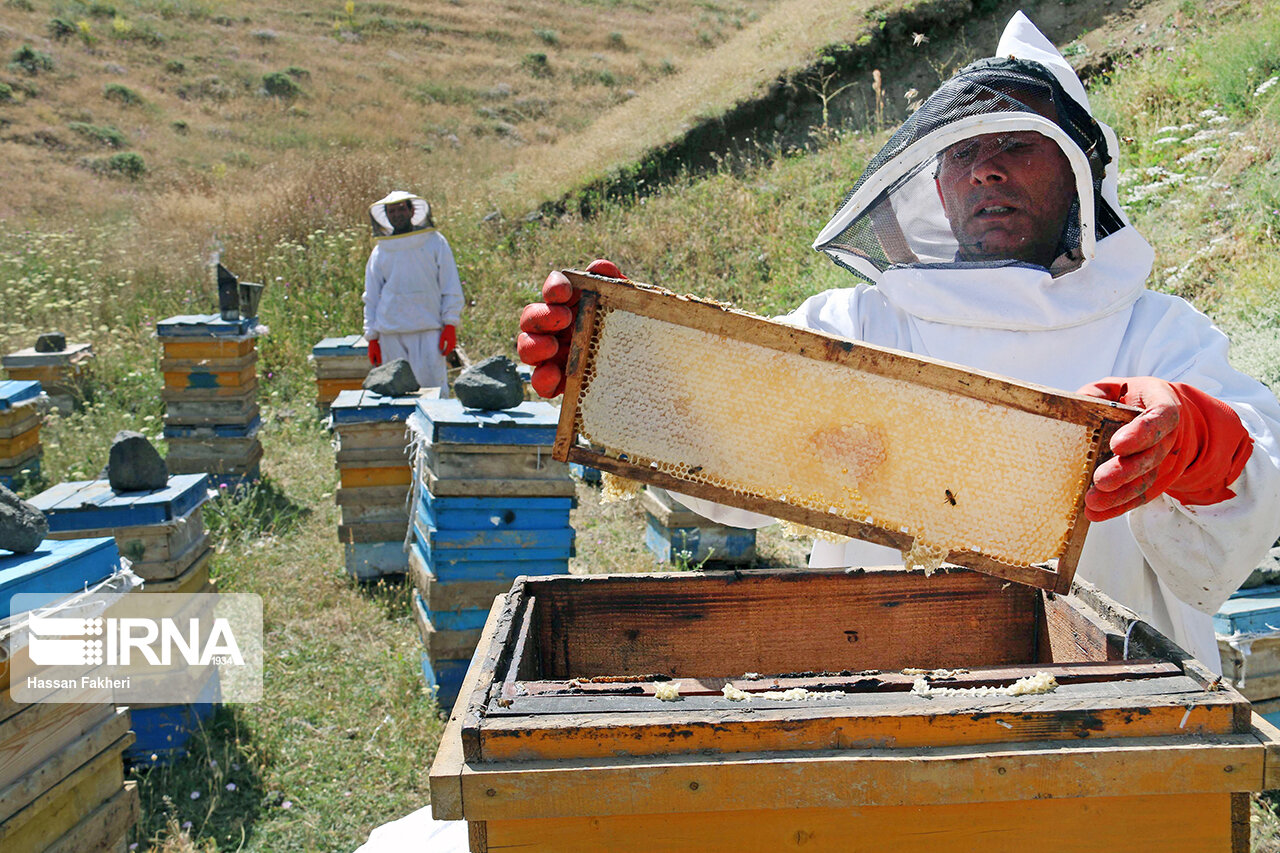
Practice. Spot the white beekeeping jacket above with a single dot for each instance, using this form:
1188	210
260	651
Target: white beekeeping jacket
411	284
1089	318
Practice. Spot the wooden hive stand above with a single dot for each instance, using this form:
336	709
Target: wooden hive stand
21	416
489	504
62	374
341	364
211	424
62	784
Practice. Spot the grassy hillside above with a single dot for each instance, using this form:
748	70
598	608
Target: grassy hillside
344	739
197	95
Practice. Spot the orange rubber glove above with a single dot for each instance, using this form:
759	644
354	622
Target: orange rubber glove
546	328
448	339
1186	444
375	353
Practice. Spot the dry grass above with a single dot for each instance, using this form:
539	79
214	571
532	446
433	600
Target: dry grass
448	90
786	40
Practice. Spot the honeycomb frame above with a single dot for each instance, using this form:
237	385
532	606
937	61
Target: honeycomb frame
1031	417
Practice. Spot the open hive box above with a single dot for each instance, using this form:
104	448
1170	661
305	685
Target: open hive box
938	461
559	741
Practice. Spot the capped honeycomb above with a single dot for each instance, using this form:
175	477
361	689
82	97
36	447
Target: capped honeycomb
950	471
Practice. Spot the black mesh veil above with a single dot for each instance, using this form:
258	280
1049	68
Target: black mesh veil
893	216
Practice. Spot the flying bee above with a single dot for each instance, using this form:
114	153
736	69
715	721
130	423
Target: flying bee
951	496
695	469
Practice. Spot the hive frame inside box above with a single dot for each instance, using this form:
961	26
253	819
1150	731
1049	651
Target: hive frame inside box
602	295
557	738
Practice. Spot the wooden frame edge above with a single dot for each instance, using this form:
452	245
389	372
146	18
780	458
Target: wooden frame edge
445	774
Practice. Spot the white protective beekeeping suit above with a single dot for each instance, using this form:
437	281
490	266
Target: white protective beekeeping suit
411	291
1083	317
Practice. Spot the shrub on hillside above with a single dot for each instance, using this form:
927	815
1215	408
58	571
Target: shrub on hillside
175	66
550	37
211	88
536	64
121	94
61	29
125	30
30	60
298	73
6	93
279	84
126	164
103	134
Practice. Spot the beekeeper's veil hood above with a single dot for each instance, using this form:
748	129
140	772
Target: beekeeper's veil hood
420	220
992	110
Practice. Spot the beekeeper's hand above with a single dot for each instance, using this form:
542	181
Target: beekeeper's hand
375	352
1186	444
448	339
546	328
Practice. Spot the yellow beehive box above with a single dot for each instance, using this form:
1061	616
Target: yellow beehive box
908	713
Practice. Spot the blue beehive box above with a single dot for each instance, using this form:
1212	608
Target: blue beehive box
676	534
1248	629
346	346
1250	611
449	422
15	392
203	325
55	570
365	407
93	504
19	431
486	510
164	732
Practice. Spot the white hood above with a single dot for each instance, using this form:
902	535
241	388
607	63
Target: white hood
893	231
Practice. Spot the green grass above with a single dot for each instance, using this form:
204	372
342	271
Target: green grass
343	740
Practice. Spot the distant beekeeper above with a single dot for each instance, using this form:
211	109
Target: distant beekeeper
412	294
990	230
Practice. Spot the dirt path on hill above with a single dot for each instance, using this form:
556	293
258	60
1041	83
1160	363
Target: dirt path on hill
1094	34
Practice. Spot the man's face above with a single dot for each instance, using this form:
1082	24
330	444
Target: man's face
400	214
1007	196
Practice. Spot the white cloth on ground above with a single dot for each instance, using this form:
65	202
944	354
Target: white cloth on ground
418	831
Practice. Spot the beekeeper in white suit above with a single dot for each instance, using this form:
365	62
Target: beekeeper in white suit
412	293
990	230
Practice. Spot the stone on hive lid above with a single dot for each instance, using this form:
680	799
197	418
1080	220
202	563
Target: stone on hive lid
51	342
491	384
393	379
134	465
22	526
